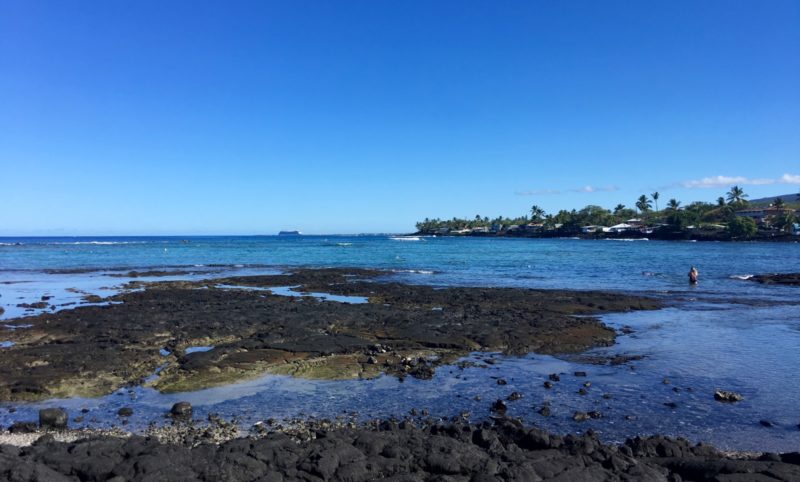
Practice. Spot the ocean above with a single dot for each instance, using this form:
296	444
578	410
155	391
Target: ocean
726	332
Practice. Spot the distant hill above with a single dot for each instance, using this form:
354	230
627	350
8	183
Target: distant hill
790	199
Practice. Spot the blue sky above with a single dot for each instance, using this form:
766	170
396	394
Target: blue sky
154	117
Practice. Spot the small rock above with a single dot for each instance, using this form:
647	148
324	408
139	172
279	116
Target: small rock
78	419
725	396
125	412
608	396
181	410
580	374
630	417
11	409
554	377
499	406
582	391
502	381
514	396
53	418
587	384
548	385
671	405
22	427
765	423
595	414
477	398
580	416
413	412
676	389
666	381
544	411
372	360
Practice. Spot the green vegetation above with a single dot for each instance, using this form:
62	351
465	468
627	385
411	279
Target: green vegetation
677	221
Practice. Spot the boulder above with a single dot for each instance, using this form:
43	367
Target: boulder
53	418
125	412
181	410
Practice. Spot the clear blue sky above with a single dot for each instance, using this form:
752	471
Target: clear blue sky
159	117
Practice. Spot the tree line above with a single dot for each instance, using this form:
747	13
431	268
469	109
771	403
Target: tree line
674	216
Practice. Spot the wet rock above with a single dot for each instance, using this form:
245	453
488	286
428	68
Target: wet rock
181	410
372	360
666	381
608	396
792	279
499	406
125	412
544	411
726	396
548	385
514	396
554	377
580	374
583	391
53	418
595	414
37	305
766	423
587	384
671	405
22	427
502	381
580	416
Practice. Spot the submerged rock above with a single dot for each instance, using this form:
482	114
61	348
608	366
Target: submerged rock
53	418
725	396
125	412
499	406
514	396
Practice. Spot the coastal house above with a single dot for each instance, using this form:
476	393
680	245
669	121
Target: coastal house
480	230
621	228
592	229
763	216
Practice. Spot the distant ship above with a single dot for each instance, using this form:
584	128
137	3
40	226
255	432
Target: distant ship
289	233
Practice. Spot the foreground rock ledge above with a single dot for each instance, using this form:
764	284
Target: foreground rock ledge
405	330
392	451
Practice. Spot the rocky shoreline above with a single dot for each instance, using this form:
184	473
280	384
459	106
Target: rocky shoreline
501	449
200	334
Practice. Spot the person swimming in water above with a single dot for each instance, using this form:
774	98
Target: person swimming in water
693	274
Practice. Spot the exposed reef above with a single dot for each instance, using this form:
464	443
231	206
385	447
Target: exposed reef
404	330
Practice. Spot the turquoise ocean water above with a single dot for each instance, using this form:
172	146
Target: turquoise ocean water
726	332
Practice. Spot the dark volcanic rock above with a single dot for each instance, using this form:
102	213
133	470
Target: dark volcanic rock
503	451
181	410
53	418
125	412
514	396
254	332
22	427
792	279
725	396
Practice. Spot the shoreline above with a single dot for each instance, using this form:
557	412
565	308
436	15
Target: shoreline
503	449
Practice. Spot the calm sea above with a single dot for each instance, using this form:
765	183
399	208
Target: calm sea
726	332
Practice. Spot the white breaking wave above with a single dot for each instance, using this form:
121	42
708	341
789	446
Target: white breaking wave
627	239
406	238
415	271
741	276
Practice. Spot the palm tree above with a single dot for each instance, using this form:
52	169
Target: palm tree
673	205
720	201
643	204
779	204
536	213
736	195
618	208
655	198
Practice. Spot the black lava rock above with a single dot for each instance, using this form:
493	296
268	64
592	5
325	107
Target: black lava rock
181	410
53	418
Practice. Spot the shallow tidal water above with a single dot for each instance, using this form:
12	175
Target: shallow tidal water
726	333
